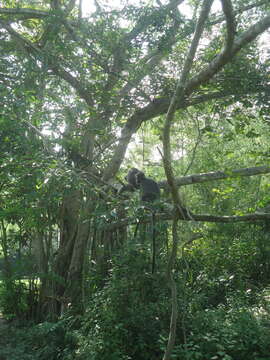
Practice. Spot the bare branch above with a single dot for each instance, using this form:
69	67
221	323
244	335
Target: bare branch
252	218
232	219
217	175
159	106
119	153
251	34
167	161
27	44
31	13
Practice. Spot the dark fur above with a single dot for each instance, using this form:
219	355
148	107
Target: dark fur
150	192
149	188
131	181
131	177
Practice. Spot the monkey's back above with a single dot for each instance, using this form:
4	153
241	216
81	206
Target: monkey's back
150	190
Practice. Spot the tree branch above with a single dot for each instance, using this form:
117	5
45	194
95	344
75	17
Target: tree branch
30	13
179	94
232	219
149	62
217	175
53	63
230	24
144	22
226	54
159	106
119	153
241	10
173	287
156	56
253	218
155	108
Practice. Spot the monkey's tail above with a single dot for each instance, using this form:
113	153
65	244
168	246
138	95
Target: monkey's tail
153	241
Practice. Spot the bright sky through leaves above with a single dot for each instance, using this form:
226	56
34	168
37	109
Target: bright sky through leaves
88	6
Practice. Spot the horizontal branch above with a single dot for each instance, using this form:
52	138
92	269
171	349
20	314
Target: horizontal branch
218	175
232	219
253	218
24	12
199	178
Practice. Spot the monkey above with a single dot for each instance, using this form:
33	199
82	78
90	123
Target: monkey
132	184
131	177
150	192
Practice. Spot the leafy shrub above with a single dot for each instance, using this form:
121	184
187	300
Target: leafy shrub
227	334
53	341
45	341
13	299
125	318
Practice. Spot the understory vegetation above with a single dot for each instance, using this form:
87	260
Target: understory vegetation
223	299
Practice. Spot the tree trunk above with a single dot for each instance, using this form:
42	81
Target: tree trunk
74	285
69	220
174	311
4	244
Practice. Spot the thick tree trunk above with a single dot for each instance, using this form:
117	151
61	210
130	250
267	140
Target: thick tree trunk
42	260
75	283
69	220
75	233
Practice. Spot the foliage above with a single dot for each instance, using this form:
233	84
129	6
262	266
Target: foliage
222	315
124	319
232	258
13	299
229	333
48	341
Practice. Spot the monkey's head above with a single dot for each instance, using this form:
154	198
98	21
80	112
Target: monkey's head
131	174
139	177
131	177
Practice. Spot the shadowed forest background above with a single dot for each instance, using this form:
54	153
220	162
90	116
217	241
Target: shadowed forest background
179	89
